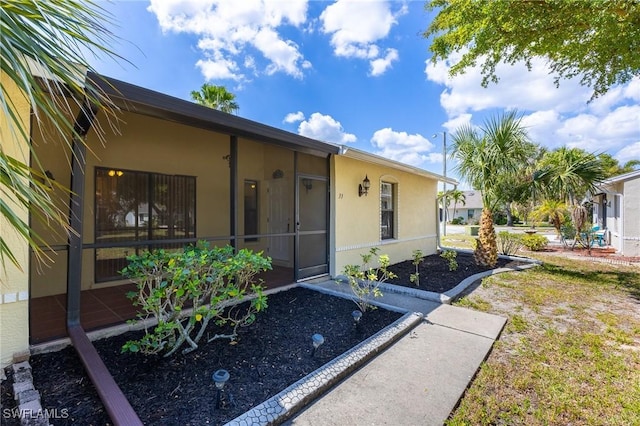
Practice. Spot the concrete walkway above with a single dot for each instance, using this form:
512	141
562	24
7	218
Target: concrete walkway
418	380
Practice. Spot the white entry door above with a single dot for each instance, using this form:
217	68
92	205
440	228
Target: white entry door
279	221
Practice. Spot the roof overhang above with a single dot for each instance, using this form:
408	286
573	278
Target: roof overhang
622	178
139	100
357	154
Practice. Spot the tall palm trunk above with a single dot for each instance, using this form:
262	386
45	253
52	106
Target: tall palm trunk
486	252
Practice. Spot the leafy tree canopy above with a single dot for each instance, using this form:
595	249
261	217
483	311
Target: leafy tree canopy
599	41
488	155
612	167
216	97
570	173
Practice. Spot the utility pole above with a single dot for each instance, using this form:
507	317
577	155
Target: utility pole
444	183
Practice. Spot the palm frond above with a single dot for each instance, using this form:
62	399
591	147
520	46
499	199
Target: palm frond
43	54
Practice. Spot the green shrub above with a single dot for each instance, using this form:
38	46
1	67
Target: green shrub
509	243
450	255
568	231
535	242
365	280
500	218
203	279
457	220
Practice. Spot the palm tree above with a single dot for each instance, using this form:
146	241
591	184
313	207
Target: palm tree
445	202
612	166
51	39
555	210
456	196
500	147
216	97
571	174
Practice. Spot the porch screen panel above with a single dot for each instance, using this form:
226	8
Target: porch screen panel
173	207
136	206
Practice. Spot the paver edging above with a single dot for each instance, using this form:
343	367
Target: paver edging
451	295
292	399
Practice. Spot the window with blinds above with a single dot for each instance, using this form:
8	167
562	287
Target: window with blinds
134	206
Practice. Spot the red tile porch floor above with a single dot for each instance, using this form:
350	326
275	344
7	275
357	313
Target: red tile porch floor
104	307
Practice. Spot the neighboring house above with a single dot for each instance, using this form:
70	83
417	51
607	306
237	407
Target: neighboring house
470	211
616	209
177	172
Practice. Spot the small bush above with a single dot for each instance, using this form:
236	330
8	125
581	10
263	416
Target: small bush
567	231
509	243
457	220
499	218
202	279
418	257
450	256
535	242
365	280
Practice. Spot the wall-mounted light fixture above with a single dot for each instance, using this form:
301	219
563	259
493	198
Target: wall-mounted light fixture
307	183
113	173
363	188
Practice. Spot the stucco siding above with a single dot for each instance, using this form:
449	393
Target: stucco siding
14	281
356	220
142	144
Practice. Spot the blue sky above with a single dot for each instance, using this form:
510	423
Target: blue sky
355	73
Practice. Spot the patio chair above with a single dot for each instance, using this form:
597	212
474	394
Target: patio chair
599	236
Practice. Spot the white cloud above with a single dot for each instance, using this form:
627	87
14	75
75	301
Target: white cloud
456	122
294	117
325	128
380	65
553	116
225	28
356	27
628	153
518	88
218	69
401	146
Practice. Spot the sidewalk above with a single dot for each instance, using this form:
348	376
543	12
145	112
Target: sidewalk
418	380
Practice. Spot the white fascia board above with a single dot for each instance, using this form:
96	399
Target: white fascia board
357	154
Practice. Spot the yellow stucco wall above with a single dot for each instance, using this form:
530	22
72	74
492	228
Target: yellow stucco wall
14	282
356	220
149	145
152	145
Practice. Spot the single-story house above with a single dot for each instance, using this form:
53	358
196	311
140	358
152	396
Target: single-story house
175	172
616	209
470	211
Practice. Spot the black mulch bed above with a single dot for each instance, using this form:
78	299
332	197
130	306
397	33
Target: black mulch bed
435	275
270	355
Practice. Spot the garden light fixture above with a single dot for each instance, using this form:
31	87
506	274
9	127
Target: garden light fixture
363	188
220	377
356	316
317	340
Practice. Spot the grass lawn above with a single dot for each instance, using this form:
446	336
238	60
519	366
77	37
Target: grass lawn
570	352
460	241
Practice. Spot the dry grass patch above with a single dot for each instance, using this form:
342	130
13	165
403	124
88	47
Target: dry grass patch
570	353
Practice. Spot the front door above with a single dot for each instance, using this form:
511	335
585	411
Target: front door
311	226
